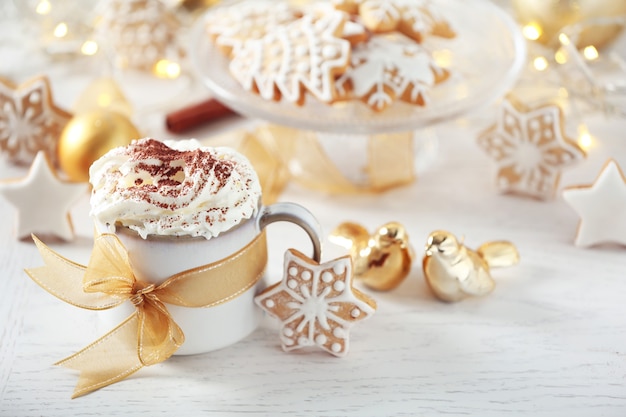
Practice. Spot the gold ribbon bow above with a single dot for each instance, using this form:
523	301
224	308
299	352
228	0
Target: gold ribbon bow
149	335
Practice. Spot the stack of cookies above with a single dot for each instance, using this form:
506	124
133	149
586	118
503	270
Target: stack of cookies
334	51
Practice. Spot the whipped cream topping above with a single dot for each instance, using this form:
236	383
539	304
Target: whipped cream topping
173	188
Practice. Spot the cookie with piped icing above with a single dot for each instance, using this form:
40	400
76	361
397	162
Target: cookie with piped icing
304	56
355	32
353	29
413	18
390	67
316	304
348	6
421	18
230	26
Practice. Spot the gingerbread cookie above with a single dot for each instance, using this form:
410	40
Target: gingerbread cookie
316	303
305	55
530	147
355	33
414	18
348	6
231	26
353	30
30	121
419	20
390	67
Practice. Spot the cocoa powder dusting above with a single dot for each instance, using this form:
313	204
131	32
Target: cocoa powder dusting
164	165
195	192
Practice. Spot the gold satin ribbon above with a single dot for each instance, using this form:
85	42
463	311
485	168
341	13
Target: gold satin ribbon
390	160
280	154
149	335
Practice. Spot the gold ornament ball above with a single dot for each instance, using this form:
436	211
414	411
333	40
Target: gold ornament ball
553	15
90	135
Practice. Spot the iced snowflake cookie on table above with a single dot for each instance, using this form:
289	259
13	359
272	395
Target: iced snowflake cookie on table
229	27
30	121
390	67
316	303
530	147
303	56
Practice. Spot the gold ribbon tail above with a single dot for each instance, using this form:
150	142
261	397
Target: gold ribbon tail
64	279
108	360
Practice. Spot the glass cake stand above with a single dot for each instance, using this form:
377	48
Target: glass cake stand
484	60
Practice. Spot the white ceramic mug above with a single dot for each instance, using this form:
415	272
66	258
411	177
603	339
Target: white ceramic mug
157	258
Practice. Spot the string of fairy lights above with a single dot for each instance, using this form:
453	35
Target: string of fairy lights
568	48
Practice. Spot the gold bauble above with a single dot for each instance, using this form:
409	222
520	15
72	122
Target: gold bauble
553	15
90	135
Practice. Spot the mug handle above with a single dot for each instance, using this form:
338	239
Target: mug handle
298	215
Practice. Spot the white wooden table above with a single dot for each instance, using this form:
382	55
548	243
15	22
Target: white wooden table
550	341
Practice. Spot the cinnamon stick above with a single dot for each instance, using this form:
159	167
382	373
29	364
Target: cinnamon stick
187	118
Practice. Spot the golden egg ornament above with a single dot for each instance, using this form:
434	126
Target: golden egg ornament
548	17
382	260
90	135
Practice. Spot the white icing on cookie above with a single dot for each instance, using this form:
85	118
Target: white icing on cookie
321	308
305	55
231	26
530	147
389	67
414	18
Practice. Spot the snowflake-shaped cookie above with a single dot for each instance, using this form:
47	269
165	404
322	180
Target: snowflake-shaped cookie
414	18
231	26
316	303
421	18
305	55
390	67
29	121
530	148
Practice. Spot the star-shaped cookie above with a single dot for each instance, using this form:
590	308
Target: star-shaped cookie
316	303
530	148
601	207
43	201
29	120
